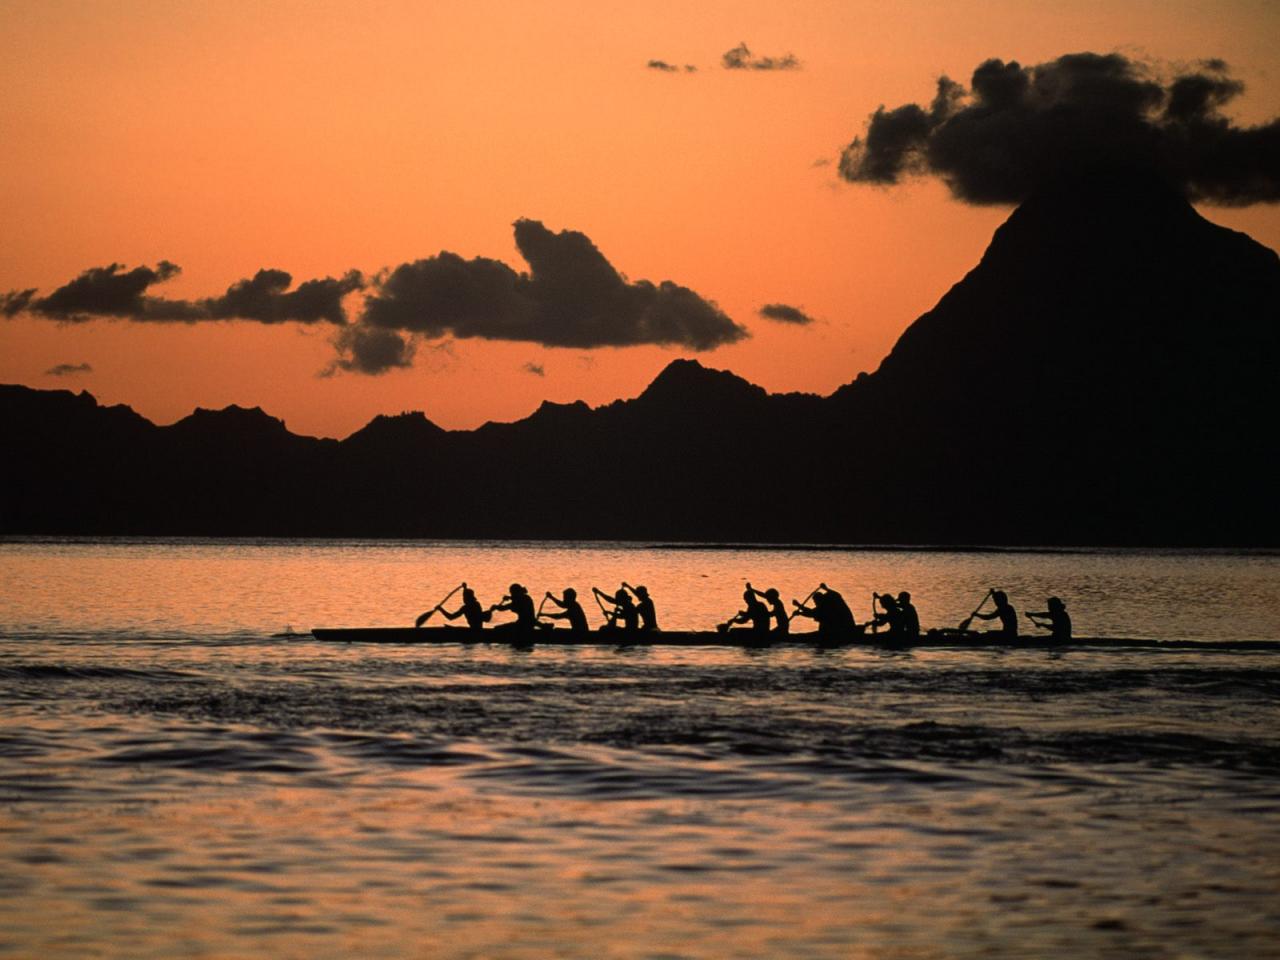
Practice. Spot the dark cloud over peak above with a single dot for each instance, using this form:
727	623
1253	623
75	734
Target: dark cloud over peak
68	369
1016	129
537	369
784	313
571	297
741	58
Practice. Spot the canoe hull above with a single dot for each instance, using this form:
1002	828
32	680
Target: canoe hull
746	638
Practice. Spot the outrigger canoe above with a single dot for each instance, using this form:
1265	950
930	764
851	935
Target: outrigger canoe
747	638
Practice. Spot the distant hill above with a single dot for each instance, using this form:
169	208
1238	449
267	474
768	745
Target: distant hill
1105	375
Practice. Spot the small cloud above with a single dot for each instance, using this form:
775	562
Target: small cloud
372	350
741	58
784	313
665	67
68	369
822	162
536	369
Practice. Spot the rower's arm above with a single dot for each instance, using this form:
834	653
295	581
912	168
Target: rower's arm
451	616
988	616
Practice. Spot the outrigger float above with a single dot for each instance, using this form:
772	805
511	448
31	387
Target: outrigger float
950	639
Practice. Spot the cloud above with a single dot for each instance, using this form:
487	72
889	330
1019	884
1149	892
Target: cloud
370	350
15	301
1018	128
116	292
784	313
665	67
571	297
68	369
740	58
537	369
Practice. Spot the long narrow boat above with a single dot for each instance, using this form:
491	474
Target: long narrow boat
746	638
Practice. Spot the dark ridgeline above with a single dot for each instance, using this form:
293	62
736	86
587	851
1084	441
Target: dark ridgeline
1105	375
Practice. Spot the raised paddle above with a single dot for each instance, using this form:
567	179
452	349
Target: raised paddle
595	592
964	625
427	616
805	601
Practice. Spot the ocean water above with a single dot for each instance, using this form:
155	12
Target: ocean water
177	779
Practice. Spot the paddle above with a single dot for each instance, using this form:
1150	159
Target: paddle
595	592
805	601
964	625
427	616
542	604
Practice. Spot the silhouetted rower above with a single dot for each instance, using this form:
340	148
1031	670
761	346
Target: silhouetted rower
519	602
908	618
572	610
756	613
888	616
782	622
1059	621
477	616
833	616
644	607
624	609
1005	613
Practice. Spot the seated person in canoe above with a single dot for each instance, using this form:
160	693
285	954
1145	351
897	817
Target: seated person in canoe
476	615
900	615
1003	612
782	622
1056	620
834	618
519	602
572	610
624	609
644	606
756	614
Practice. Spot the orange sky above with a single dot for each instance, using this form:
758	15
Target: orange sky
319	137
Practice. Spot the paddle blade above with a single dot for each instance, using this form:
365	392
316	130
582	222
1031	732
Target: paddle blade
423	618
965	623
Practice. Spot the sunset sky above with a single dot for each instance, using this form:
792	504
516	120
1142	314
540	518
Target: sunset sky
320	138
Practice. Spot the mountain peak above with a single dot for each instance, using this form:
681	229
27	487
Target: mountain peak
685	381
411	426
232	419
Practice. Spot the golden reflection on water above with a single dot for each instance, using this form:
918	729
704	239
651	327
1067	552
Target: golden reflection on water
159	588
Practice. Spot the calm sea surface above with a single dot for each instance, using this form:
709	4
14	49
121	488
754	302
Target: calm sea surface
178	780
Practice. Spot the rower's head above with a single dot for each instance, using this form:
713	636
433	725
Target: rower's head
749	595
642	591
886	600
468	594
999	597
1056	604
771	594
904	597
516	590
570	593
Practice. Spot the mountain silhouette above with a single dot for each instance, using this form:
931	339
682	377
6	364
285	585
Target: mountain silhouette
1103	376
